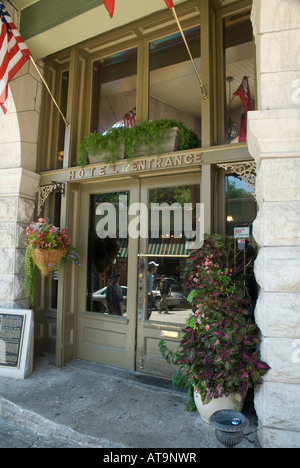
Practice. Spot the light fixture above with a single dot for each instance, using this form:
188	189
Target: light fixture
229	218
230	127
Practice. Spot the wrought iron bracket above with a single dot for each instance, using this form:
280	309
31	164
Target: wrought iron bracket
245	170
46	190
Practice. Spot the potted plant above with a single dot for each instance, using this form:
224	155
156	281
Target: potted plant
96	148
46	247
218	354
144	139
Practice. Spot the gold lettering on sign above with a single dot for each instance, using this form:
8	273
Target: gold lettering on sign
188	159
178	160
138	165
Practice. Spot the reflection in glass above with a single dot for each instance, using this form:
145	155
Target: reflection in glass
106	256
240	213
240	205
239	63
114	89
174	87
167	248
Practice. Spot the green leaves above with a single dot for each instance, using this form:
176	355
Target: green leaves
218	351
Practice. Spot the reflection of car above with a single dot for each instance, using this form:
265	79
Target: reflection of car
176	299
100	296
174	285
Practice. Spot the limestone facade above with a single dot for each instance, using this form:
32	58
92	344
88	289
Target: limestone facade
274	142
18	181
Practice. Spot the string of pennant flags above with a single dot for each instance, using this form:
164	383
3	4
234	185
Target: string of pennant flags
14	54
110	6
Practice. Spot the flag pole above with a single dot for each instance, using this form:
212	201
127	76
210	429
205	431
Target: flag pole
203	91
48	89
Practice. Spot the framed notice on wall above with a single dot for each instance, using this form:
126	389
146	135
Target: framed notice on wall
11	339
16	343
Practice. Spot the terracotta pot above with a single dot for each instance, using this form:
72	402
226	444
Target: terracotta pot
46	260
233	401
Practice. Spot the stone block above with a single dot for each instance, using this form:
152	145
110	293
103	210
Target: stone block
278	406
278	180
20	261
280	90
276	15
278	224
277	438
8	209
278	269
6	261
21	234
10	154
9	127
6	287
283	356
19	289
25	210
28	156
7	235
279	51
29	126
274	134
278	314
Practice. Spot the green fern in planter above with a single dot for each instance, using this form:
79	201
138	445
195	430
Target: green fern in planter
94	143
150	134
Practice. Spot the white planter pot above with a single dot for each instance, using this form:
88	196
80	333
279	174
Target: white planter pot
99	157
171	145
233	401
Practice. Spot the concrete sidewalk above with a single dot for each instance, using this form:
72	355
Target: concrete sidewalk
90	405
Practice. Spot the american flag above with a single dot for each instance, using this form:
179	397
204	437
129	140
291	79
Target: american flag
129	118
13	54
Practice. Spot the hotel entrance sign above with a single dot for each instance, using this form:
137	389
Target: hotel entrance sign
148	164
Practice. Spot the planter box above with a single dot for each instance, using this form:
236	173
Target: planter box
171	145
103	156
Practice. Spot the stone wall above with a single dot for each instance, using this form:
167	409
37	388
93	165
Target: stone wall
18	180
274	142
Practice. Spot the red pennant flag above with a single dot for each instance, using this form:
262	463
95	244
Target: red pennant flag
169	3
243	92
110	6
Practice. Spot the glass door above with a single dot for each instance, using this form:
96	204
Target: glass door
107	283
173	224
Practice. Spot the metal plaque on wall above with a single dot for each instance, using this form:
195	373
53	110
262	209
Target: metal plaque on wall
11	337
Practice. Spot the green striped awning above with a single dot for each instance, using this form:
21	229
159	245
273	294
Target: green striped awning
123	251
167	247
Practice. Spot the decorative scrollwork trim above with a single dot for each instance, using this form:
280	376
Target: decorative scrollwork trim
246	171
46	190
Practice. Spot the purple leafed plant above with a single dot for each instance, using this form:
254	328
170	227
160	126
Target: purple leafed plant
218	353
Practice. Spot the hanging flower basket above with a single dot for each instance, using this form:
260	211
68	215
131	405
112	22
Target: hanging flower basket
47	260
46	245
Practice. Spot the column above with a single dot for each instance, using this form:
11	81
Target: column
274	143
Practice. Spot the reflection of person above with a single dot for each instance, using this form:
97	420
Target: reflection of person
165	291
152	268
114	296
